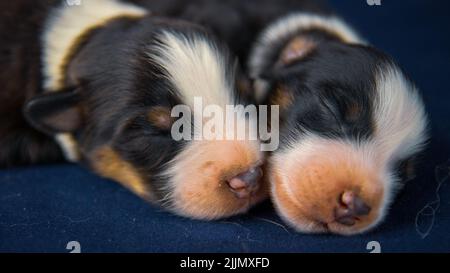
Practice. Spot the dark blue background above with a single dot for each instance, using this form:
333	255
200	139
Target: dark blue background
43	208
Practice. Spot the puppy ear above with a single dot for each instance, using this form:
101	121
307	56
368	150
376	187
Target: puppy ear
295	50
55	112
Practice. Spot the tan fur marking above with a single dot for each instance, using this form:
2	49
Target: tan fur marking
296	49
200	188
291	212
109	164
282	97
353	112
160	117
306	193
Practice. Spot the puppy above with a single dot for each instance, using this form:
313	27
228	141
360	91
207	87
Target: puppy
351	123
111	75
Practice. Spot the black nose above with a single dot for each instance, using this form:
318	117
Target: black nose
350	207
245	184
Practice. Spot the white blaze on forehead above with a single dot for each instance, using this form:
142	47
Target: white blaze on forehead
199	71
196	68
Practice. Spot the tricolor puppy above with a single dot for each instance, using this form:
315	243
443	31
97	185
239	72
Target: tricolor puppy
112	74
351	123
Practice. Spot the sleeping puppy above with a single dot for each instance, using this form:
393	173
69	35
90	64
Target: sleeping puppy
112	73
351	123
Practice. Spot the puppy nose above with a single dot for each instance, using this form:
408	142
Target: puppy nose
246	183
350	207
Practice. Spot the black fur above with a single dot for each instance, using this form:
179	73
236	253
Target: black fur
324	91
21	23
236	22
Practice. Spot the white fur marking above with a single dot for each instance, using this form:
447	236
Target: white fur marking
68	146
198	70
400	119
196	67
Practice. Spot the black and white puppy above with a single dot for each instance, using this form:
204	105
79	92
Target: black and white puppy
351	123
111	73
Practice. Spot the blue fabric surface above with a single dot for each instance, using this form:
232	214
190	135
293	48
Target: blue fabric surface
42	208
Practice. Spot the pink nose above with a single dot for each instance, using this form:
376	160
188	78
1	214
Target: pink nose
246	183
350	207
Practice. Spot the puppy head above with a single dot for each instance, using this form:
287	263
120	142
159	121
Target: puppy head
349	119
121	117
215	176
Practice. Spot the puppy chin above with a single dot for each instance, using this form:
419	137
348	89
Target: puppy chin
326	186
